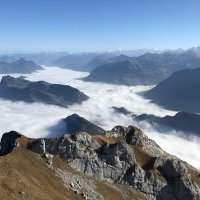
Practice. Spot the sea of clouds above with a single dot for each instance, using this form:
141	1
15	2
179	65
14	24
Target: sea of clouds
40	120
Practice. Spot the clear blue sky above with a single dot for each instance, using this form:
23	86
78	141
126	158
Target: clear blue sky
90	25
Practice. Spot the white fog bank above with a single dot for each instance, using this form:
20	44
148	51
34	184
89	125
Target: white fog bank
39	120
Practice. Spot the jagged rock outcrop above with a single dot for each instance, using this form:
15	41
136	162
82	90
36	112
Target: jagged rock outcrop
127	156
19	89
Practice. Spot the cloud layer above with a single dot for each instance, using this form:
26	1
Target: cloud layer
37	120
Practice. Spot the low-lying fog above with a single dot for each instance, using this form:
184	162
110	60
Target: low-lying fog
39	120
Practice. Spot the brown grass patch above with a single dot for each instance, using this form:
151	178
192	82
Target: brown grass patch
105	140
24	176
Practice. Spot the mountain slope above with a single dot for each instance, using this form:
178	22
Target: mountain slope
179	91
75	123
23	175
28	175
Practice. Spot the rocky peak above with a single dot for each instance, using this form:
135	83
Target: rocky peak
134	136
8	142
75	123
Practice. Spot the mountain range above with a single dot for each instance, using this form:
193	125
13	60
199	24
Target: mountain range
147	69
18	66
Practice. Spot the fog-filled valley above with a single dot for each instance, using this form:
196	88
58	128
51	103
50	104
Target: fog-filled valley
39	120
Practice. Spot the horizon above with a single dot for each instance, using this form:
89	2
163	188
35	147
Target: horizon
123	51
98	26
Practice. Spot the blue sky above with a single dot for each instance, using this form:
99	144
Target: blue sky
98	25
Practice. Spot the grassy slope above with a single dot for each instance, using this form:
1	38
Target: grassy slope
23	175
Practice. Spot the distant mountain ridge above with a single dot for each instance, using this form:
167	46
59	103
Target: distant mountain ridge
147	69
19	89
189	123
186	122
19	66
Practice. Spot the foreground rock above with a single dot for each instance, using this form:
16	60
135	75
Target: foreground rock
19	66
28	175
19	89
8	142
125	156
75	123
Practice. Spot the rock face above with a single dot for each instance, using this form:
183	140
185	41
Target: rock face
75	123
18	66
8	142
150	68
179	91
182	121
19	89
127	157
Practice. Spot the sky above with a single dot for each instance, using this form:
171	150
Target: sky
98	25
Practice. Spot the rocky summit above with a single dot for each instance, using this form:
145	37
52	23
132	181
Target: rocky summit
75	123
120	164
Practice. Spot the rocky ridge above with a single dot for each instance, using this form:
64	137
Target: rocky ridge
124	156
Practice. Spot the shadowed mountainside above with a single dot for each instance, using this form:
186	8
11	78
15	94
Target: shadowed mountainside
19	89
182	121
179	91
